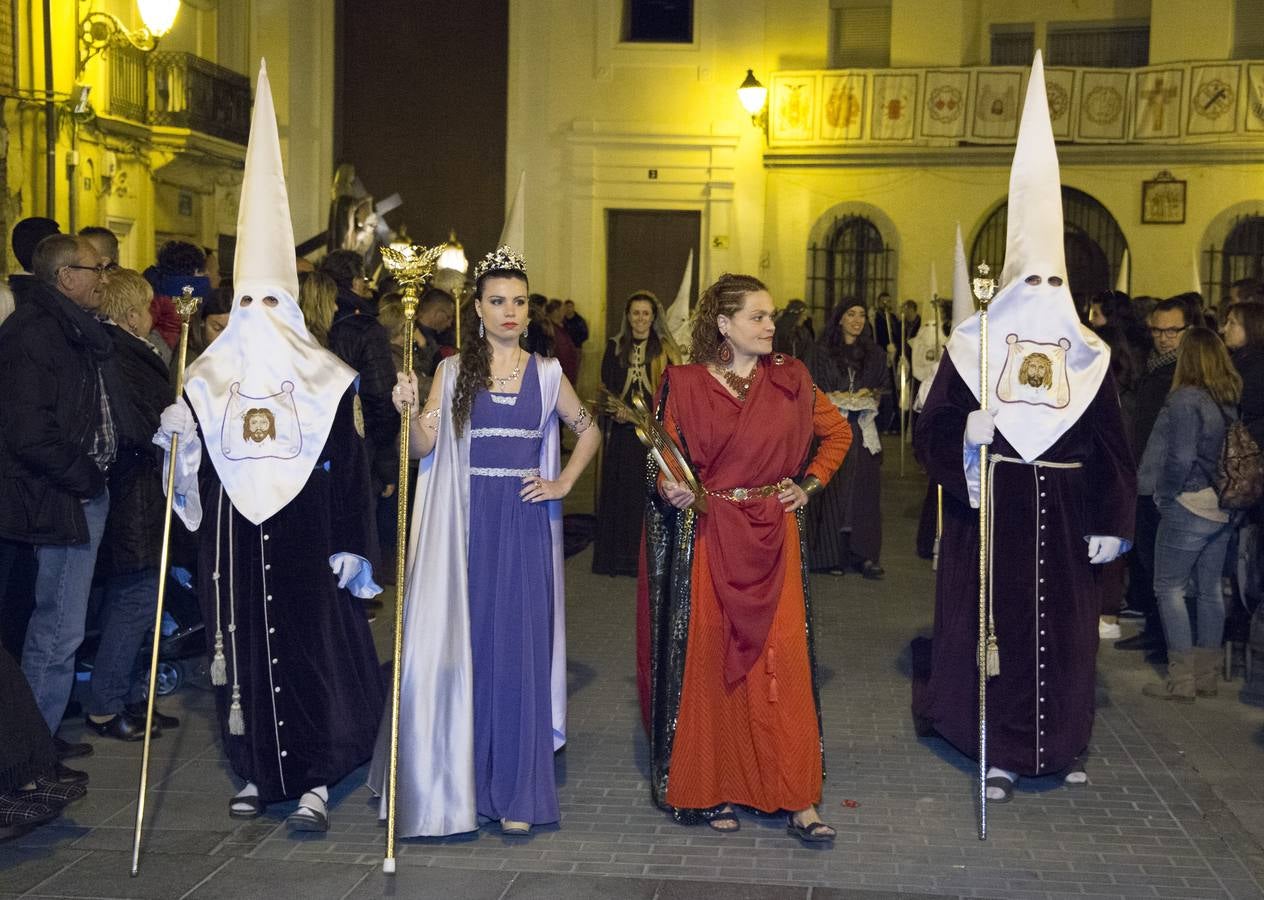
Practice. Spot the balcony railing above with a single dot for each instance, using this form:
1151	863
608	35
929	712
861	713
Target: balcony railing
179	90
1209	101
187	91
127	83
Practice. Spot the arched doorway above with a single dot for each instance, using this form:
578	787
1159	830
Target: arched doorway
1092	239
852	261
1243	254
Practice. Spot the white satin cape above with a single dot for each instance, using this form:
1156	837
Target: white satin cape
435	793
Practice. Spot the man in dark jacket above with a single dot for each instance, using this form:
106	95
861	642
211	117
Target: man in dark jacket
362	342
1168	322
17	563
57	441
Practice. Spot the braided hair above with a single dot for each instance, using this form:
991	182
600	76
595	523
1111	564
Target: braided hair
724	298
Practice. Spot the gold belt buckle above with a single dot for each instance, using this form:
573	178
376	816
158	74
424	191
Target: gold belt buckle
740	494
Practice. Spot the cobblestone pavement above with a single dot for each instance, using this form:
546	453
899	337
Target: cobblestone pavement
1175	806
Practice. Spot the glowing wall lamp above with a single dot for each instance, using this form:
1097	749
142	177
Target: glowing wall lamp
753	97
100	30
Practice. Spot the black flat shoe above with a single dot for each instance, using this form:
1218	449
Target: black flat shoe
67	750
815	833
1142	640
123	727
163	720
18	815
67	775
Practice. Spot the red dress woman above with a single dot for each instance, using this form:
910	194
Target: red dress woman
728	678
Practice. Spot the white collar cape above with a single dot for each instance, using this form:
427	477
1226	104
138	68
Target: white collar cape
265	393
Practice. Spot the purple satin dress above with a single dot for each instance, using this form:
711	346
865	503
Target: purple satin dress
511	610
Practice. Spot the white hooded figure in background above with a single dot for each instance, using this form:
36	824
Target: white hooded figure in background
1063	491
284	515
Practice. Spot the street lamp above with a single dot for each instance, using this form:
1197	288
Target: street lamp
453	256
100	30
753	97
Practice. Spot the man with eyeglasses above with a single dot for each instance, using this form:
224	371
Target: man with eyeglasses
58	438
1168	323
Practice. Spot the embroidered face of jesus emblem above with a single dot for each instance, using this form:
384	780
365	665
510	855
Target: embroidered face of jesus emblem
258	425
265	427
1034	373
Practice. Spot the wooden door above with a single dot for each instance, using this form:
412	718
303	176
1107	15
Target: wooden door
646	249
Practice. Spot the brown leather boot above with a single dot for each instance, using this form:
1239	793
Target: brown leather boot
1179	684
1206	670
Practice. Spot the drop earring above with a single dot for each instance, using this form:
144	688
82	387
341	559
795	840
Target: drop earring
724	355
480	326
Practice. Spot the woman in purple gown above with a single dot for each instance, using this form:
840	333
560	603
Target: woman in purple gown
483	672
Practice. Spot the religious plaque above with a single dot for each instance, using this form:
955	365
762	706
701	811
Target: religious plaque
1163	201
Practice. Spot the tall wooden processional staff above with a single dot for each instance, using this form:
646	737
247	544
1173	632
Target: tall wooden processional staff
412	266
983	288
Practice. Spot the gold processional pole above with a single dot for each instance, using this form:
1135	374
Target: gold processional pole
411	266
983	289
939	488
186	306
899	389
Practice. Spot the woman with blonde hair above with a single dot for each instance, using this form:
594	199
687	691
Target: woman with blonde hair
317	298
1179	469
127	563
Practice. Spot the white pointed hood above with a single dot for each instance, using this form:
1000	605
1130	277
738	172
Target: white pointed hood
962	298
265	392
1121	281
1044	367
677	320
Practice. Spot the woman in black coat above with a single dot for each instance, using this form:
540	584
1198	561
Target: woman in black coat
127	563
845	521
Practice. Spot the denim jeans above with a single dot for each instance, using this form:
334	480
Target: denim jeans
62	582
1187	545
127	612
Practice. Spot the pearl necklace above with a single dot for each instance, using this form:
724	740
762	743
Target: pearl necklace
517	369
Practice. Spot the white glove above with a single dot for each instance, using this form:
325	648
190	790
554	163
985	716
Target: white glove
346	566
405	391
980	428
1103	548
175	419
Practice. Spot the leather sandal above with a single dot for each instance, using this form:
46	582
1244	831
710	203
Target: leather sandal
725	817
1002	784
246	806
309	817
814	833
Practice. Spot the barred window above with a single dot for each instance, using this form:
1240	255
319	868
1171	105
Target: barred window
1013	45
1112	46
861	34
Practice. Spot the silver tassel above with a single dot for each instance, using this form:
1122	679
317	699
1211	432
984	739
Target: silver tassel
236	720
993	656
219	665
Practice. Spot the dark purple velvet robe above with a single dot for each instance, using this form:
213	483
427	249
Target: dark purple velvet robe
312	691
1046	595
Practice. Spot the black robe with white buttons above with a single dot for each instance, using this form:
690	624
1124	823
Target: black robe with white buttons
311	689
1046	595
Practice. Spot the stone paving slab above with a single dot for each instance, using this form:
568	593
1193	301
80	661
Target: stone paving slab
1173	807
